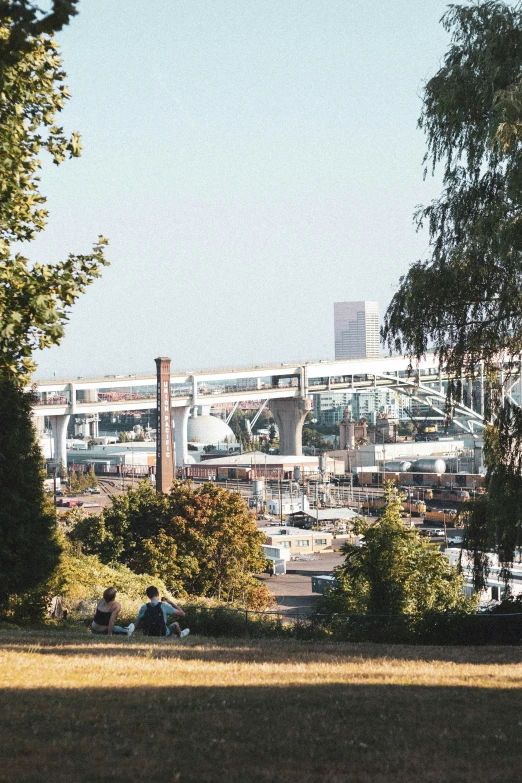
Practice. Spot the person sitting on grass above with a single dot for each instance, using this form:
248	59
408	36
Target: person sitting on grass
152	617
107	611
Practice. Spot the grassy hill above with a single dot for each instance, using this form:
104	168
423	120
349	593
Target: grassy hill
77	708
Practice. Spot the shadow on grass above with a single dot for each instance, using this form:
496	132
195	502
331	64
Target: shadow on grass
318	733
67	643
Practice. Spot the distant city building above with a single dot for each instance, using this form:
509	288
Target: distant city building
329	407
356	330
369	404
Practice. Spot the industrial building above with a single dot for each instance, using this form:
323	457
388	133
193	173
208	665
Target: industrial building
297	541
376	454
256	464
495	588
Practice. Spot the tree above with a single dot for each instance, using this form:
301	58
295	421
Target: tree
73	481
123	437
407	428
29	549
201	541
464	299
28	20
92	478
395	572
313	438
34	298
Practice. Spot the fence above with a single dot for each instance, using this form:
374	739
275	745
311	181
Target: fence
430	628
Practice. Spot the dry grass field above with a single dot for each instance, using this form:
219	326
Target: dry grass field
80	709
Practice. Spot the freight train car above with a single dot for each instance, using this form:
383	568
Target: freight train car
435	481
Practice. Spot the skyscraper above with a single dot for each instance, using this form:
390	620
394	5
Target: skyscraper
356	330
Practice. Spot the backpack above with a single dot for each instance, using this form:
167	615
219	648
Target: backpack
153	621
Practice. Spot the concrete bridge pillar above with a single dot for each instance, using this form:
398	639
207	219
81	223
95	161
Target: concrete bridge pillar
90	429
59	426
95	426
39	423
290	415
180	418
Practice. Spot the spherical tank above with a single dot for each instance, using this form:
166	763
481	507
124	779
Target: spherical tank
209	429
429	465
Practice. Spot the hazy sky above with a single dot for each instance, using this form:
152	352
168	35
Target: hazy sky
250	161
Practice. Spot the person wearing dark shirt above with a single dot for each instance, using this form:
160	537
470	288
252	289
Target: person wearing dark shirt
105	616
168	609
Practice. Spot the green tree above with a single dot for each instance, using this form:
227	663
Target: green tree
123	437
272	434
35	298
73	481
158	556
201	541
27	20
464	299
92	479
313	438
407	428
29	549
395	572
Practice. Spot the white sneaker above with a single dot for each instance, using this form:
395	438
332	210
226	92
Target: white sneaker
130	629
184	633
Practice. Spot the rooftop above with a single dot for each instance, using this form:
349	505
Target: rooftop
290	532
329	514
249	458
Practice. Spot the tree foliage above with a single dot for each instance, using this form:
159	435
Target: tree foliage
201	541
395	572
464	300
313	438
28	20
29	549
34	298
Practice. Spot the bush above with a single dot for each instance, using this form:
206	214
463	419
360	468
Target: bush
80	580
437	628
213	619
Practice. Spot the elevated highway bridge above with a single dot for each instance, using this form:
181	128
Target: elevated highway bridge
286	387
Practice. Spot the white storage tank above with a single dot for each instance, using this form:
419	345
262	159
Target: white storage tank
398	466
429	465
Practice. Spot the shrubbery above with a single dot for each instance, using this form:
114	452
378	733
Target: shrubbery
396	572
80	581
199	541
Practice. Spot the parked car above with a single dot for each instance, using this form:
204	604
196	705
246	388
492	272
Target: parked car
456	540
438	532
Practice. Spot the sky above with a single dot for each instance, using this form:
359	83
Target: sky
250	161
